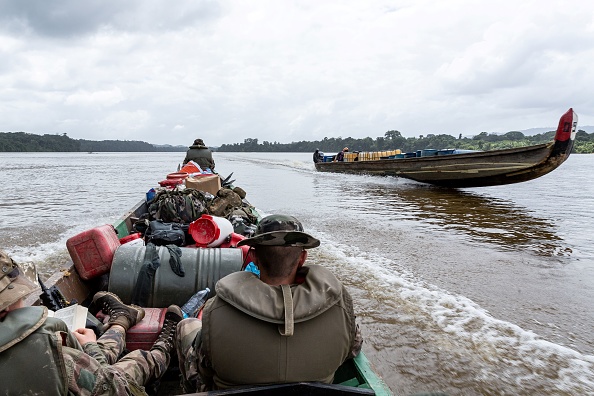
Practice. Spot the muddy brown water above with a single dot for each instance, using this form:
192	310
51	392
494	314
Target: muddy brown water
483	291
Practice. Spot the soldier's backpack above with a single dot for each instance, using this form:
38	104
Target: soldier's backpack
178	206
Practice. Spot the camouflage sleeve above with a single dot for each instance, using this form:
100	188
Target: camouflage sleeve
205	379
92	349
86	376
70	340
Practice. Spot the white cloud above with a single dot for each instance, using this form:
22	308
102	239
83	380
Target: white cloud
98	98
292	70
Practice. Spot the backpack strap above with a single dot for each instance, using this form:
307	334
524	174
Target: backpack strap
289	317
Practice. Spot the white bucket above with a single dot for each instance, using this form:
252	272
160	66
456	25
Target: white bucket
210	231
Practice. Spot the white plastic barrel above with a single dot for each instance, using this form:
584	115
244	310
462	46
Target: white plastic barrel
210	231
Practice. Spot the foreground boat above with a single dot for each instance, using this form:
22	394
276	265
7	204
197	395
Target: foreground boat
476	169
354	377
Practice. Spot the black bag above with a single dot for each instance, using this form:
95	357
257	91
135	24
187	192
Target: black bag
161	233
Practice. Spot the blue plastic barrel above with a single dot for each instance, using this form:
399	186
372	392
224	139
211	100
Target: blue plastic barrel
428	152
446	152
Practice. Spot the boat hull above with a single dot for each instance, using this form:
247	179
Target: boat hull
355	376
477	169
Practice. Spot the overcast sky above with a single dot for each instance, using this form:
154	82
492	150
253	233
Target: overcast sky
169	72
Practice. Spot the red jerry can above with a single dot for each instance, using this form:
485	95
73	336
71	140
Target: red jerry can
92	251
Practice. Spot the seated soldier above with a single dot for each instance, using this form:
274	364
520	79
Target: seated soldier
294	323
38	355
200	154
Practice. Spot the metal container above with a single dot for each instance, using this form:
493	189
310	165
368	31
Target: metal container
203	268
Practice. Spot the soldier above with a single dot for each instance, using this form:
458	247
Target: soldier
201	155
317	156
294	323
40	356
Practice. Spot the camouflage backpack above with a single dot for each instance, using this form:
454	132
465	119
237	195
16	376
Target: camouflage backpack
178	206
224	203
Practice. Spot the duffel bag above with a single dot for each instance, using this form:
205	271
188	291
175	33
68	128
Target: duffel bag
161	233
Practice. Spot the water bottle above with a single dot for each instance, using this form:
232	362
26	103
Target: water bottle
189	309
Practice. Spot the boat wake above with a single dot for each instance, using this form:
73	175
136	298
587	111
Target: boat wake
500	354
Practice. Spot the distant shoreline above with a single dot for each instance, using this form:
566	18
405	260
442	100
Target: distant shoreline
28	142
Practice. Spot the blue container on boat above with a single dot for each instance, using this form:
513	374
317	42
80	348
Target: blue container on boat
328	158
419	153
466	151
399	155
428	152
410	155
446	152
150	194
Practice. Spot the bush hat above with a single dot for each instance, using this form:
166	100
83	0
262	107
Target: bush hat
14	284
280	230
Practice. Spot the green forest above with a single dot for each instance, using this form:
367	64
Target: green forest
28	142
392	140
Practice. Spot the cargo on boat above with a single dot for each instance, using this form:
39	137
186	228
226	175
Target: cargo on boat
464	168
110	257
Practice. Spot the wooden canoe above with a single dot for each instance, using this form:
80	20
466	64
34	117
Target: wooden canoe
354	377
477	169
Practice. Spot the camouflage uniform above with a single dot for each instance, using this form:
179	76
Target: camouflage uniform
325	328
55	361
186	344
95	370
306	344
92	369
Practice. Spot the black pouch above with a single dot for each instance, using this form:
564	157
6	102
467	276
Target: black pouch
162	234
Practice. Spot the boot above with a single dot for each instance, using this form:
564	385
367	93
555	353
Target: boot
166	339
119	313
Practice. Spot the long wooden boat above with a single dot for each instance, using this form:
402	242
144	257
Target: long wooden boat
476	169
355	377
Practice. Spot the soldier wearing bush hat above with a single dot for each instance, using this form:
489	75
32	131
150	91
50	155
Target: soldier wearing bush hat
14	285
201	155
281	230
295	316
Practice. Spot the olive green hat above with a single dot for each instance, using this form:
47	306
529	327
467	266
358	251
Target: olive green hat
280	230
14	284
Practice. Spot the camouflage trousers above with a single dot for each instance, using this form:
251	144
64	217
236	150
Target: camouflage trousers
186	343
141	365
96	369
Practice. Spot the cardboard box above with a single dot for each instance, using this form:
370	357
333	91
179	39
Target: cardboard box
208	183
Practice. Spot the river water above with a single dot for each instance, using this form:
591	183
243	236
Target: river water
479	291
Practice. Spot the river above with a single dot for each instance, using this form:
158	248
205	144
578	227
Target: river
478	291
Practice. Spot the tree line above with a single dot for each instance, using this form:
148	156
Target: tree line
392	140
29	142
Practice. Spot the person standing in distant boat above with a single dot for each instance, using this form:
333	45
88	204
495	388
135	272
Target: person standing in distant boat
340	155
317	156
201	155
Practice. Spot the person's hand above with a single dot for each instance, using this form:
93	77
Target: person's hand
84	335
